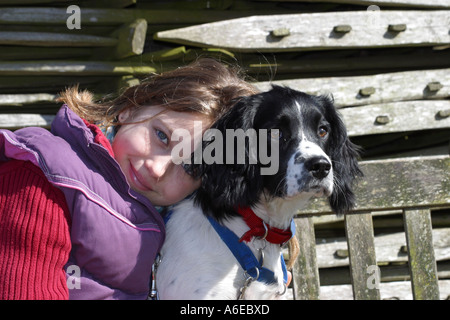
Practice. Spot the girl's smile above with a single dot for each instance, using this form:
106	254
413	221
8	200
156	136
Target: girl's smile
138	182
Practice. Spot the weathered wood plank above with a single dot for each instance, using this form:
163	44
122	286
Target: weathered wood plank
47	39
363	262
316	31
47	53
396	3
9	2
85	3
26	84
305	272
41	68
109	17
107	3
333	252
388	290
388	87
59	16
328	63
21	99
396	184
422	262
34	2
397	117
14	121
388	272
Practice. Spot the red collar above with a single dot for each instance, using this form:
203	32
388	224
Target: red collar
258	228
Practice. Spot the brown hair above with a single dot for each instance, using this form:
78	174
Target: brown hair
205	86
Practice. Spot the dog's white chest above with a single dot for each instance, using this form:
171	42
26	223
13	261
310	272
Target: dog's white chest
197	264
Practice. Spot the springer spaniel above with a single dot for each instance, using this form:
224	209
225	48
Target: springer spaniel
238	204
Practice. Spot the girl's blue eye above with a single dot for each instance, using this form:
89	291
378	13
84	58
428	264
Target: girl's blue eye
162	136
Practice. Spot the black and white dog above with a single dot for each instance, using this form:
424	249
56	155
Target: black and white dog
237	204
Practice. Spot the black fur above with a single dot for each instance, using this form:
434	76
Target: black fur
226	186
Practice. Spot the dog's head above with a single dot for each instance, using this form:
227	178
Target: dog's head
294	144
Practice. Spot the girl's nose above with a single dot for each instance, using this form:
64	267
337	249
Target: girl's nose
158	166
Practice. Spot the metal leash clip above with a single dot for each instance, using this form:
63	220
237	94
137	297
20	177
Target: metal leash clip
247	283
154	291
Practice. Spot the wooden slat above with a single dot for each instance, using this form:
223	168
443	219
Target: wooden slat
47	39
398	183
14	121
315	31
389	248
397	117
332	64
422	262
85	3
58	16
305	272
27	84
389	291
33	2
47	53
66	68
396	3
388	273
361	246
107	3
388	87
21	99
111	17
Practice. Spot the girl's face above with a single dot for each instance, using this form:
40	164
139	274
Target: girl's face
143	151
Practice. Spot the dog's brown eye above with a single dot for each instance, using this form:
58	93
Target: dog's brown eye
323	131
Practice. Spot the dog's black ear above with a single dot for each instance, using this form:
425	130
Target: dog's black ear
227	185
344	156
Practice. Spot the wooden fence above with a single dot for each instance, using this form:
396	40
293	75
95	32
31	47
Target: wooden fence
386	63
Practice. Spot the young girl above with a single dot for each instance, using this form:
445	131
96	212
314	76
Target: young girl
77	207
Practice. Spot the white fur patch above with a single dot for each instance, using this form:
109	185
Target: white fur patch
197	264
298	179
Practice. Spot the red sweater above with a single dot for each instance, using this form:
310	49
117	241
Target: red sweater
34	231
34	234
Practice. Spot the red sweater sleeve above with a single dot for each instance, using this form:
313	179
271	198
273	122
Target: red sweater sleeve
34	234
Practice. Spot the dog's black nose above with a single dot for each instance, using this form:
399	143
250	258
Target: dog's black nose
318	166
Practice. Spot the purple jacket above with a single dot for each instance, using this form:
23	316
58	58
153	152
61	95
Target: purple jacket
116	232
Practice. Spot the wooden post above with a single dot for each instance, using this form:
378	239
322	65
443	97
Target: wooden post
306	272
131	39
422	263
363	263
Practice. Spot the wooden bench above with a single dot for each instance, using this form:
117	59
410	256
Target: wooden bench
413	185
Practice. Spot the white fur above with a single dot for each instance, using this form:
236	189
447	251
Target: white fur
197	264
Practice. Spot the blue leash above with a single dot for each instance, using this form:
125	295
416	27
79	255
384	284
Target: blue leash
245	256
